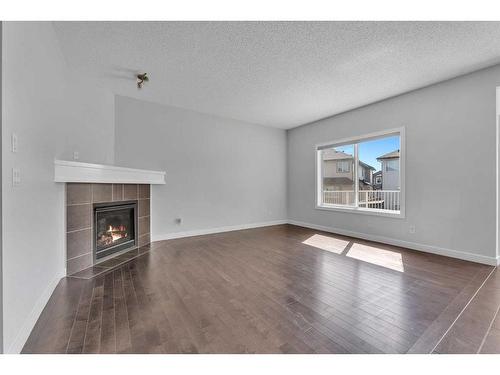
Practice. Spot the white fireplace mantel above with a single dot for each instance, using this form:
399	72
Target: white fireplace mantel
72	171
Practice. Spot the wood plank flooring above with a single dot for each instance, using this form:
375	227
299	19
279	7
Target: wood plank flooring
281	289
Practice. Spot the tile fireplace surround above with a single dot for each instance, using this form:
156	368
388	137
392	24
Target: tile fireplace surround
80	198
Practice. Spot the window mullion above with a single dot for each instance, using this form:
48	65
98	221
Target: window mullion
356	179
320	173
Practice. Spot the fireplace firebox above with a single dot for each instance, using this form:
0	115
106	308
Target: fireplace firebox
114	227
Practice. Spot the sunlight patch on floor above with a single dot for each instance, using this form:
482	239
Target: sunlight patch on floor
374	255
331	244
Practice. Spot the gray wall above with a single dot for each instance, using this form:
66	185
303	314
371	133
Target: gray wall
450	167
219	172
53	115
1	225
498	171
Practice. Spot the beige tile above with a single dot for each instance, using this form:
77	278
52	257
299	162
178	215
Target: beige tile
101	193
110	263
128	255
90	272
77	264
144	240
456	345
79	243
144	249
496	322
78	193
129	192
158	245
78	217
144	191
117	192
492	342
144	225
466	335
144	207
439	327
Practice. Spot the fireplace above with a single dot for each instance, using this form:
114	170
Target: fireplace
114	227
90	211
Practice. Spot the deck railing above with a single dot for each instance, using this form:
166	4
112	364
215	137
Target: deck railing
378	199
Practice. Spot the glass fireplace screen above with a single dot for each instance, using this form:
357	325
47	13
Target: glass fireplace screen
114	228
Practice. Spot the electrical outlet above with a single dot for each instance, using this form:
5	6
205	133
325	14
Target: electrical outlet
76	155
412	229
16	177
14	142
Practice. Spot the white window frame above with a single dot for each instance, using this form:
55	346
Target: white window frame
355	141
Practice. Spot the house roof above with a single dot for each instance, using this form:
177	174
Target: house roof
366	165
378	173
332	154
390	155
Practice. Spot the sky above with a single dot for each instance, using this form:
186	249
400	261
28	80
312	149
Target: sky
369	151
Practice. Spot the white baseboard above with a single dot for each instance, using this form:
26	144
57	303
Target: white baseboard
491	261
22	336
200	232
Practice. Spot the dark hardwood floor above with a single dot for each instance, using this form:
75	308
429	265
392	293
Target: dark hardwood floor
281	289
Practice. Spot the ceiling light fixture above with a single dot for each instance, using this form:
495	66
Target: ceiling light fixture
141	78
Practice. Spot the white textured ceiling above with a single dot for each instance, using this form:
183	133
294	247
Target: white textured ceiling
280	74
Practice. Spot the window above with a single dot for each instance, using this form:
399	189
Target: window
391	165
337	169
338	163
361	173
343	166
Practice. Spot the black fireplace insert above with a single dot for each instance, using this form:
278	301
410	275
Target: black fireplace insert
115	227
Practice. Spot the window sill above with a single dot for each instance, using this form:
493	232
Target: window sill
364	211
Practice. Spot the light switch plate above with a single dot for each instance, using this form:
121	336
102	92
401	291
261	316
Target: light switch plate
16	177
14	142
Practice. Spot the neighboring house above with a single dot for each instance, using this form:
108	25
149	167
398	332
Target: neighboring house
338	172
390	170
377	180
